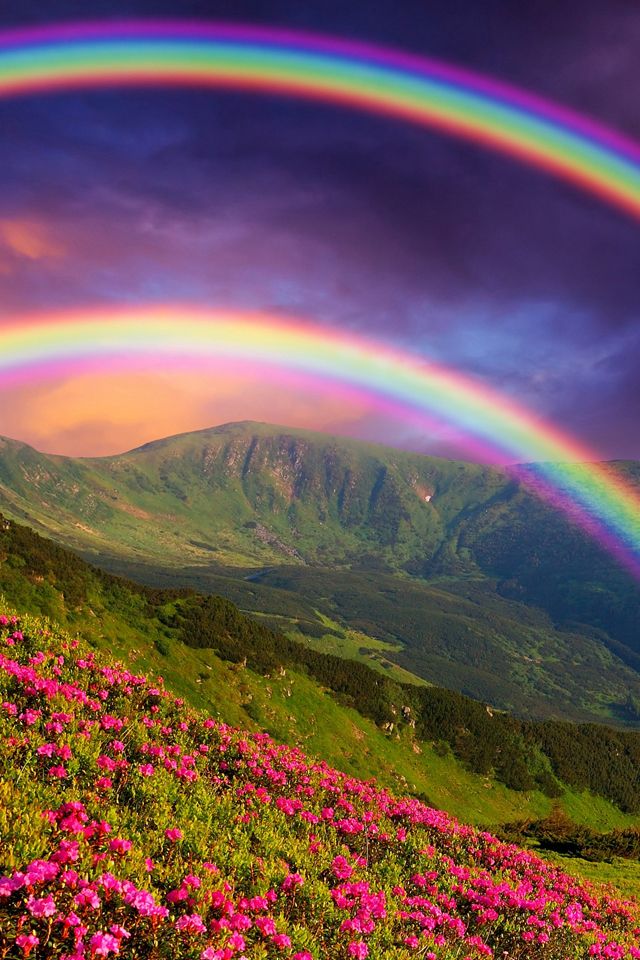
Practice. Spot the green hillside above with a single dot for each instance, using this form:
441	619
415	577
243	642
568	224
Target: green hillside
464	578
480	765
247	494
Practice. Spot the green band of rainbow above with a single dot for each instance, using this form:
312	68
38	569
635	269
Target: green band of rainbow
366	78
591	493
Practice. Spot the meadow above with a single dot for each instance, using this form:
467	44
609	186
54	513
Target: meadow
135	825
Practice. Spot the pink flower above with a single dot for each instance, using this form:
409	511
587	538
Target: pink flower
104	943
281	941
27	942
291	881
266	926
358	949
87	898
341	868
173	834
236	941
45	907
119	845
58	772
190	923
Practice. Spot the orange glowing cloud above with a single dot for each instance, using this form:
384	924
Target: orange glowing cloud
96	415
30	239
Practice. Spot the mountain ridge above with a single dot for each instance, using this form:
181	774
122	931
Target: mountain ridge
443	561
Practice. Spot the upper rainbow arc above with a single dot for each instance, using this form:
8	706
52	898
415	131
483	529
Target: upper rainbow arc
416	89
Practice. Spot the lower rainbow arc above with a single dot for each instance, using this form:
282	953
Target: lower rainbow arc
591	494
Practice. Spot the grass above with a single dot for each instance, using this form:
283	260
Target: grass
622	876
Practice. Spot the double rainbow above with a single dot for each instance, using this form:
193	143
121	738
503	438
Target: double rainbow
408	88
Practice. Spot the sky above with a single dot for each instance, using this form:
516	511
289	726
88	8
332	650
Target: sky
361	223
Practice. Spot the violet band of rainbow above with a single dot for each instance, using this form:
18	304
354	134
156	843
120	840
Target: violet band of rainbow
591	494
410	88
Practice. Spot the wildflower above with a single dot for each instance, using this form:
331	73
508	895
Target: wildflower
236	941
27	942
87	898
59	772
102	944
191	924
341	868
120	845
281	941
291	881
358	949
44	907
266	926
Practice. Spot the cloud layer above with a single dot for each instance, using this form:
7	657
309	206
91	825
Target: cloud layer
357	222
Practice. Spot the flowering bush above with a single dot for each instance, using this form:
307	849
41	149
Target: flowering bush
131	826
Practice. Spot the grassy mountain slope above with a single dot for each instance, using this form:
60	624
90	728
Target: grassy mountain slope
480	587
247	494
454	633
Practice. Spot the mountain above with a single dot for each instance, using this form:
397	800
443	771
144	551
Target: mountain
248	494
449	570
146	829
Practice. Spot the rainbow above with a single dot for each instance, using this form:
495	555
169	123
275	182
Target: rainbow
359	76
590	493
411	89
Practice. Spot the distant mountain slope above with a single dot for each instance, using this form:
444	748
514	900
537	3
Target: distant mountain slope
475	583
248	494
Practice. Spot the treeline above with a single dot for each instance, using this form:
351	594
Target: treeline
523	755
590	756
560	834
35	574
36	570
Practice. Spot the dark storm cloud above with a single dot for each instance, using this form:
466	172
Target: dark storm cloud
359	221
